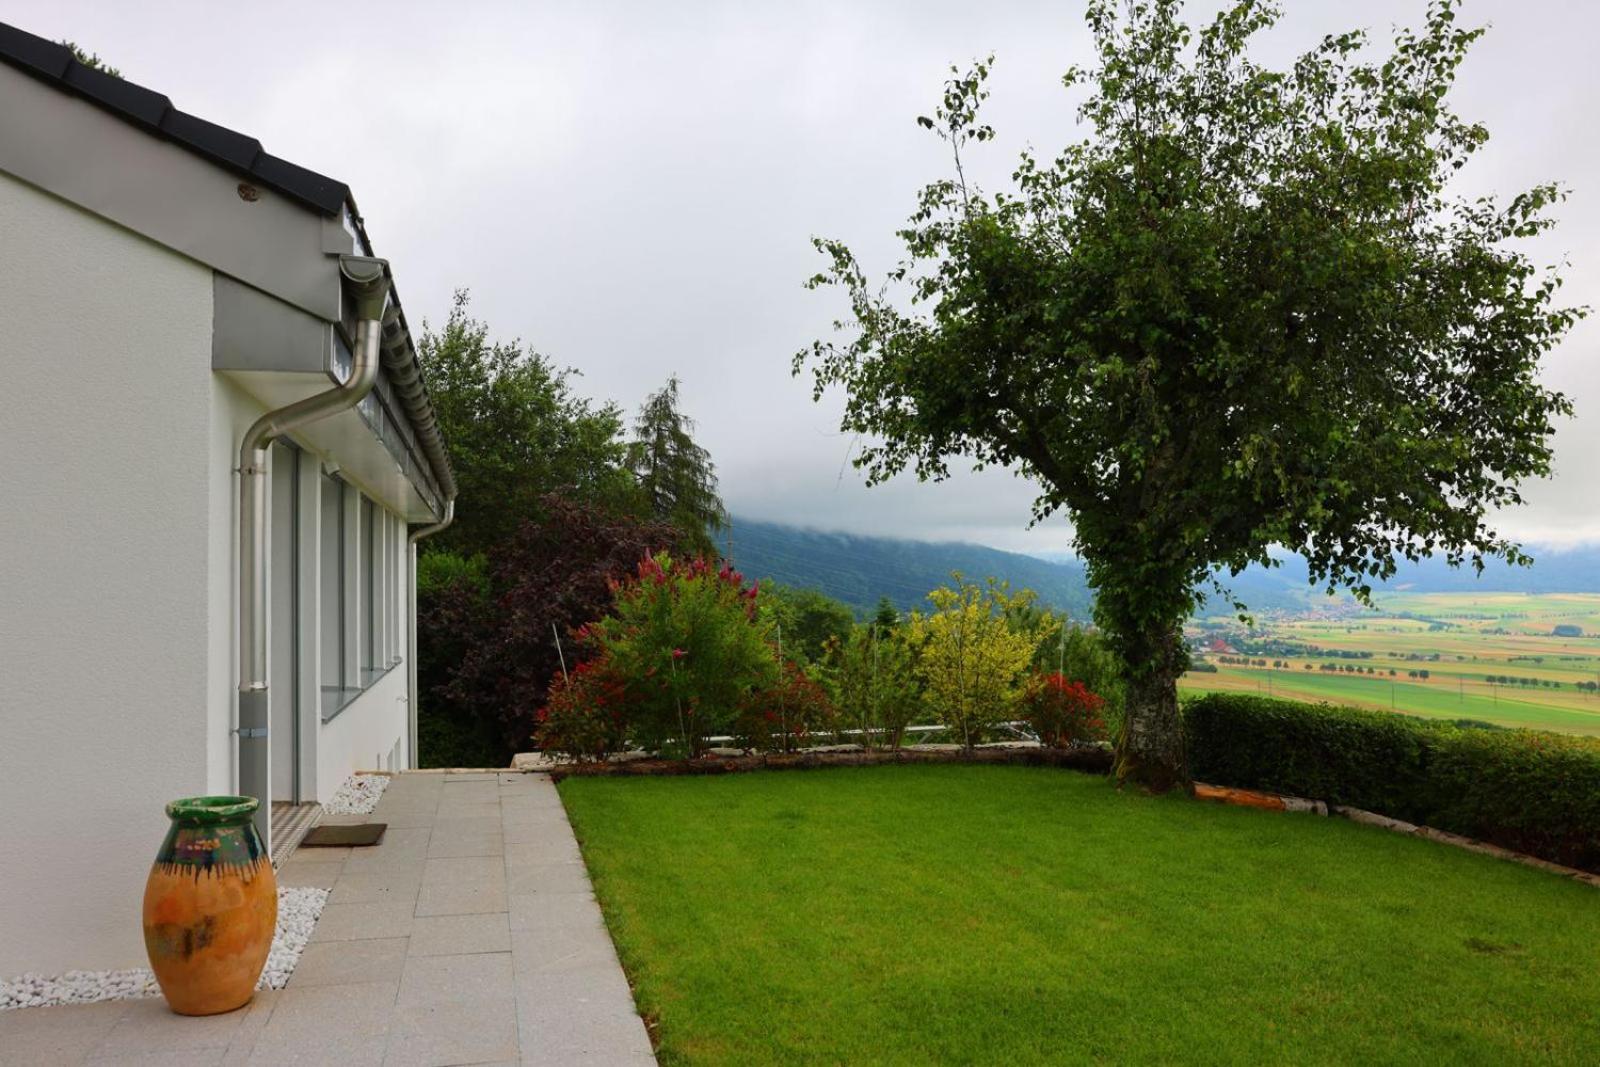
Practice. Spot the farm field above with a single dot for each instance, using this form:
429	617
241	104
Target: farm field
1488	656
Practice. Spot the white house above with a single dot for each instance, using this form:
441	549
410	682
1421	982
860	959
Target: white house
218	453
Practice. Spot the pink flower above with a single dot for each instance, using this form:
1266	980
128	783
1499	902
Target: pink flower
679	653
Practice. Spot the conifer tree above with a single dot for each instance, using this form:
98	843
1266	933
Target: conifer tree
675	474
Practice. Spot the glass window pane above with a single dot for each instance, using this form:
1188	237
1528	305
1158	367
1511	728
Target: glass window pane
370	574
331	608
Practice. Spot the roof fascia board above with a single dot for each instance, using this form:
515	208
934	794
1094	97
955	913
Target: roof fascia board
54	64
263	343
80	153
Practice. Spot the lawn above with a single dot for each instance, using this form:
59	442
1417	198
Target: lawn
964	914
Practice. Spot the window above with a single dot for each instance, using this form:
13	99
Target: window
357	593
397	617
331	552
371	597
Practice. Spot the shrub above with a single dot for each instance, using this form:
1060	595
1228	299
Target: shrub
689	647
1521	789
971	657
446	738
873	675
1084	654
586	717
1063	712
495	654
452	607
1366	759
1526	790
783	716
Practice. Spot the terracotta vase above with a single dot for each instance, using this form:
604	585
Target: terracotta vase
210	906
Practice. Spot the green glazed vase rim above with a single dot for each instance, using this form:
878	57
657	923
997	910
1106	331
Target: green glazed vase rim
211	811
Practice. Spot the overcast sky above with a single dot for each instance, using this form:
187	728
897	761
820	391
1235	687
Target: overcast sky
631	187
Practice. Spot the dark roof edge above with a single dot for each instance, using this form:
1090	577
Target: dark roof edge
400	359
55	65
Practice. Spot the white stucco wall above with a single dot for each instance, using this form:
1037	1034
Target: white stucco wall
105	616
231	413
362	736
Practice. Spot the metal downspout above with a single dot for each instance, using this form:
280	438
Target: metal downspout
366	282
411	631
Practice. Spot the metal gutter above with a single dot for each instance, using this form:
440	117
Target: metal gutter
411	630
405	373
366	282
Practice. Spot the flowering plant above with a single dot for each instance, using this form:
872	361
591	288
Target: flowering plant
783	715
688	647
586	715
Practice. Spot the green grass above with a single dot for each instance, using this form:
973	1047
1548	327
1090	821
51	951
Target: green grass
961	914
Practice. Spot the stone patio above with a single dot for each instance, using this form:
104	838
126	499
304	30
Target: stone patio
470	935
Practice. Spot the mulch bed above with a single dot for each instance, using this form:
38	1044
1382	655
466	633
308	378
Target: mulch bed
1089	760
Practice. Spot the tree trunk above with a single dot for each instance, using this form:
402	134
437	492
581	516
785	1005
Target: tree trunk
1150	752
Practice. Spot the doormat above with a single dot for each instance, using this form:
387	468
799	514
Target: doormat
367	833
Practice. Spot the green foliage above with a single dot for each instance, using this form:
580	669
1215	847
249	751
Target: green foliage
970	658
1366	759
807	618
452	597
439	568
689	648
1246	311
91	60
487	630
1081	654
885	617
675	475
1522	789
1525	790
874	675
516	432
784	716
446	739
585	717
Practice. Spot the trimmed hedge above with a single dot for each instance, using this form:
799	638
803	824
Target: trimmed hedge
1525	790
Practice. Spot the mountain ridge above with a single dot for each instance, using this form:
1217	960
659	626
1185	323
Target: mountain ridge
859	568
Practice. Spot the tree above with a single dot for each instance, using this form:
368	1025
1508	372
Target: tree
91	60
516	432
676	475
886	617
809	620
491	652
972	660
1244	311
873	674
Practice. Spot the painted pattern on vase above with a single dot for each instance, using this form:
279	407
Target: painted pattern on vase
210	906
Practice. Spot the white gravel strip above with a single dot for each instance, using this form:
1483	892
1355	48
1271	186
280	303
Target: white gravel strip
358	796
298	908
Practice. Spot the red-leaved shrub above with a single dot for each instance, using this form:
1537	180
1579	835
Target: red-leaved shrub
1063	712
586	717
